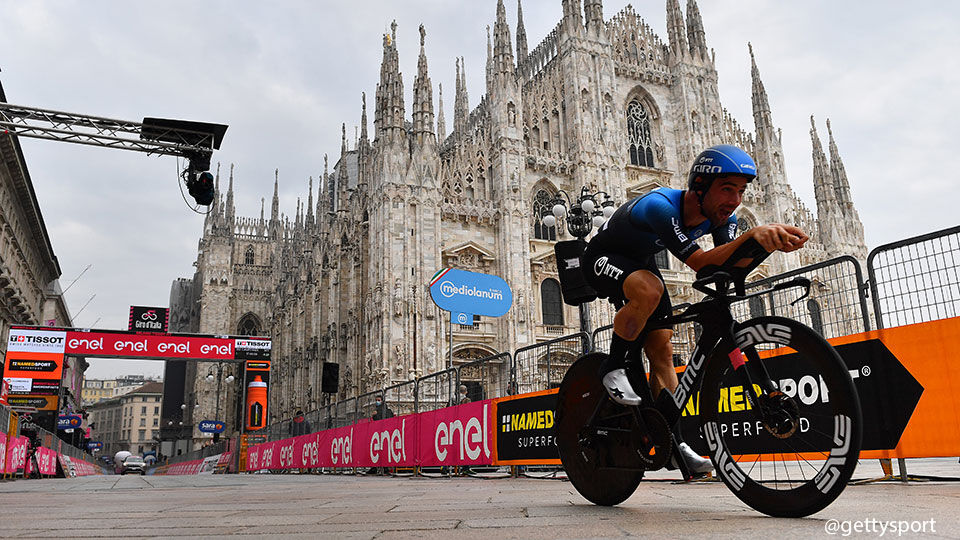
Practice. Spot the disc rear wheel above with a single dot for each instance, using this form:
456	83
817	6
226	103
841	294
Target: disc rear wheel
603	468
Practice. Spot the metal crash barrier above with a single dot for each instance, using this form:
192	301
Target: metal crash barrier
915	280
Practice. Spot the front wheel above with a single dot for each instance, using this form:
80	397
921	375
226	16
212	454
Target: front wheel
603	470
792	452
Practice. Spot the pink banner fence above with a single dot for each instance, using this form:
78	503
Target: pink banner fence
459	435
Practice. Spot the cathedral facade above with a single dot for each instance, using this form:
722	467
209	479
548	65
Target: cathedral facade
605	104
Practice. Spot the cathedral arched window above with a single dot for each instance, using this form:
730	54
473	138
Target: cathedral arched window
249	325
248	256
551	302
743	225
542	206
638	135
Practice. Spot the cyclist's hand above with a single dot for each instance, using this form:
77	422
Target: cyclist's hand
799	239
775	237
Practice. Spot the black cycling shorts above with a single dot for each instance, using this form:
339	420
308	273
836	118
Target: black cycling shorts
607	271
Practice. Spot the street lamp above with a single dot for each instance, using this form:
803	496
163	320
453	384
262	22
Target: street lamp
588	211
220	380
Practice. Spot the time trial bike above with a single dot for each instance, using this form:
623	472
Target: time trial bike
777	410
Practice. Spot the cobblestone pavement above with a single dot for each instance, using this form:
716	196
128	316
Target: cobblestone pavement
348	506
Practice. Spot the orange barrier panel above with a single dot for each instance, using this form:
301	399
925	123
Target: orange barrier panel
930	352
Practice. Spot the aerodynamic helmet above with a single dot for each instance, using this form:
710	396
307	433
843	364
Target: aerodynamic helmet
716	161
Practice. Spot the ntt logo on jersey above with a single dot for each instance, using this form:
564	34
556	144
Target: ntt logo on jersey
603	268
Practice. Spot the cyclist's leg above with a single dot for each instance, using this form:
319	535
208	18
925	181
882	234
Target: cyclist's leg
659	351
642	290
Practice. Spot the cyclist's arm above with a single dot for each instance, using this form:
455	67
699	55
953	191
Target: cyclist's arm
772	237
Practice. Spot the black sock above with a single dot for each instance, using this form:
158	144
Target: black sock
620	350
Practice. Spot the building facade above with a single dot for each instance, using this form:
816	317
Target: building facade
29	271
97	390
605	104
129	422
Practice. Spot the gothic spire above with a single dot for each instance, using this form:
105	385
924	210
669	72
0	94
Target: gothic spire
363	118
572	15
521	36
310	202
275	205
695	33
761	107
441	123
231	211
593	11
422	96
389	114
675	30
461	101
502	49
839	175
330	189
822	182
342	169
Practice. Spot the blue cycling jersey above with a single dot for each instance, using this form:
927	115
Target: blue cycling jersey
653	222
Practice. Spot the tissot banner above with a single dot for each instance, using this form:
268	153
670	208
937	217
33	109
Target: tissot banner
33	366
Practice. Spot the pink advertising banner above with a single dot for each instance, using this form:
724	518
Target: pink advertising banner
459	435
82	468
3	453
388	443
16	453
47	461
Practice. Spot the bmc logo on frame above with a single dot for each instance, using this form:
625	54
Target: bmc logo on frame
36	341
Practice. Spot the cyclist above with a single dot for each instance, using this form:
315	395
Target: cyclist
619	263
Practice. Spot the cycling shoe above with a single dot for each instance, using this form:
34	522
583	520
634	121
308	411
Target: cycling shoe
695	463
619	387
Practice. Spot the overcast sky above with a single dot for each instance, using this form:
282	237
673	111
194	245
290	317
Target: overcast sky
284	75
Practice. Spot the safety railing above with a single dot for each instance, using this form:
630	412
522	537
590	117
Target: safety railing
206	451
541	366
917	279
437	390
485	378
836	306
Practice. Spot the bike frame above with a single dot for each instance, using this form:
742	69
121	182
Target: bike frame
716	319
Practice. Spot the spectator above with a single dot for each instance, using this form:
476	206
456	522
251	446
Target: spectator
381	410
462	397
300	425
